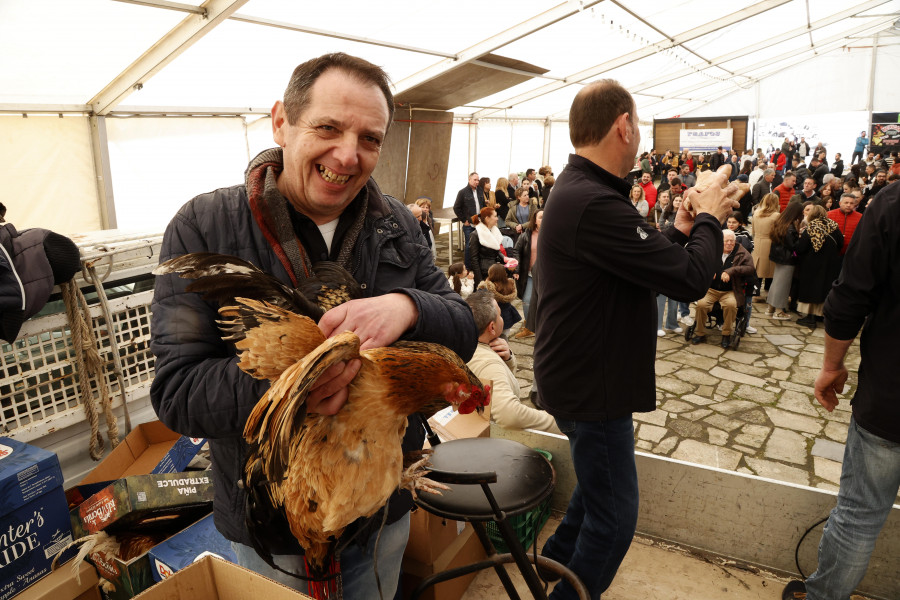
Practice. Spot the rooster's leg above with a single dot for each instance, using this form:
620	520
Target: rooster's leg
413	479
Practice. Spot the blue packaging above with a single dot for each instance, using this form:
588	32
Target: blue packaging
188	546
34	517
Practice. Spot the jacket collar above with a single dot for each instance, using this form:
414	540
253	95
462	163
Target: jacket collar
608	179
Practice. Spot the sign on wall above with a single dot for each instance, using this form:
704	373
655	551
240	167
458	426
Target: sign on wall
705	140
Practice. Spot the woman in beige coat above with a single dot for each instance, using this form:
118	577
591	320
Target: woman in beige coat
763	220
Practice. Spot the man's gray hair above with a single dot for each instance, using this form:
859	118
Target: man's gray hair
728	233
768	172
482	304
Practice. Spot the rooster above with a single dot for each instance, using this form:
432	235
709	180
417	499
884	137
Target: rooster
323	472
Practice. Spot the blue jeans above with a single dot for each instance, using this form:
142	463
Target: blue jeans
672	317
870	479
467	231
526	295
596	532
357	564
684	309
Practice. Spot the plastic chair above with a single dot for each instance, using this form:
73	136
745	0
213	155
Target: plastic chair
491	480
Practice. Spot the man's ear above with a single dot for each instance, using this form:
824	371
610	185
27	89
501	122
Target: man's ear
279	119
624	127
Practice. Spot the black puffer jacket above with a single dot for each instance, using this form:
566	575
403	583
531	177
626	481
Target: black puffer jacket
199	390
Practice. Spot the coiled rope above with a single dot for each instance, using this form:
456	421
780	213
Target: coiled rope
88	365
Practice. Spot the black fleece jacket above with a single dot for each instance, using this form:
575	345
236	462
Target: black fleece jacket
867	295
601	265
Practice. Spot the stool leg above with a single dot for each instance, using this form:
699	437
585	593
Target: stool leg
498	568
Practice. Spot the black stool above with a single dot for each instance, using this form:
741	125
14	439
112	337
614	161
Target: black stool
490	480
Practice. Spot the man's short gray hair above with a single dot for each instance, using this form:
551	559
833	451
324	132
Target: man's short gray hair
728	233
482	304
768	172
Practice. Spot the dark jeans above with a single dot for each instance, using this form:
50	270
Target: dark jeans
856	156
467	231
596	532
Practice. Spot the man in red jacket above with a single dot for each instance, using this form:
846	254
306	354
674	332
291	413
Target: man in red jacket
649	189
786	189
846	217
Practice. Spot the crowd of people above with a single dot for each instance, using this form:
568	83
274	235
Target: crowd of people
587	258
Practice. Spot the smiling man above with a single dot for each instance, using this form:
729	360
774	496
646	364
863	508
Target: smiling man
310	199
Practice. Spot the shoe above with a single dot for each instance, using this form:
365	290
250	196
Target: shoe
678	330
770	312
750	329
808	320
794	590
660	333
523	333
687	320
725	343
781	316
719	327
698	339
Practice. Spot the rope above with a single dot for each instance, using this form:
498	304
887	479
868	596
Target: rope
88	364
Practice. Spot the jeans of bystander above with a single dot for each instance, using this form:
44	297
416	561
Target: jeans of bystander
357	564
596	532
870	480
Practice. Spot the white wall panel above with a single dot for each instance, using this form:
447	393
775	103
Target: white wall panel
49	179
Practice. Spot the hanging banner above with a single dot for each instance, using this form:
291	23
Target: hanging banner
705	140
885	136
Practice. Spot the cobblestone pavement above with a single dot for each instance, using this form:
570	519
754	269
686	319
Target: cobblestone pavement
750	410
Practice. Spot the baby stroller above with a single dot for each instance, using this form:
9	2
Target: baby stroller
716	317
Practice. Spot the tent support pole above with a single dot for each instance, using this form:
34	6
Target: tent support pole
100	150
870	105
545	158
473	147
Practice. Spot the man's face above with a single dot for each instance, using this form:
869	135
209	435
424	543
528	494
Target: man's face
645	178
332	149
473	180
809	186
531	176
676	189
790	181
837	156
685	170
671	176
880	178
769	178
847	204
728	241
871	156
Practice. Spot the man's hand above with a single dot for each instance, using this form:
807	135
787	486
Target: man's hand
377	322
712	194
518	229
725	277
830	383
501	347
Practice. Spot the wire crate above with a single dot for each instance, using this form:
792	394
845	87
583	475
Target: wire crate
526	526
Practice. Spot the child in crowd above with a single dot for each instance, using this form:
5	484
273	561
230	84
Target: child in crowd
504	290
461	280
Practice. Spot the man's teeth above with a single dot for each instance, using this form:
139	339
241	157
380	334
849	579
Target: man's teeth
332	177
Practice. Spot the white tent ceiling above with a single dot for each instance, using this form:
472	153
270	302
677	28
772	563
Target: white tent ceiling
92	59
115	56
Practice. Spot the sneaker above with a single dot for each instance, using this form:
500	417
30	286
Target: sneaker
678	330
794	590
687	320
808	320
523	333
770	312
698	339
750	329
781	316
660	333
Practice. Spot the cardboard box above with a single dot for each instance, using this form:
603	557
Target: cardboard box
215	579
149	448
185	548
131	577
142	501
451	425
34	525
464	550
62	584
430	535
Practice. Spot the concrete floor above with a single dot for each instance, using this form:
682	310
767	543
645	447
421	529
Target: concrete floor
657	570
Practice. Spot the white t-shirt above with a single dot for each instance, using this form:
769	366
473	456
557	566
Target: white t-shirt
327	230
